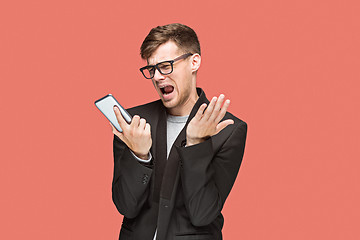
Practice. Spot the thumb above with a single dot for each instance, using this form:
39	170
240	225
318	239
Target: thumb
223	125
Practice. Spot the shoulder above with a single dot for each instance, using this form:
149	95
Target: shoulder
146	108
234	134
238	123
151	112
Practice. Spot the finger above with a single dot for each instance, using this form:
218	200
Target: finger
135	121
123	124
147	128
223	111
142	123
217	107
223	125
210	109
200	112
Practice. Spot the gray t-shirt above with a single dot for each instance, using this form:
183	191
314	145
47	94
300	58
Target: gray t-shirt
174	126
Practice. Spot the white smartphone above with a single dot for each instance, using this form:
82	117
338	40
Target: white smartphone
106	106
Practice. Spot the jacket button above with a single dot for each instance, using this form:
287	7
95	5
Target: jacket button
145	179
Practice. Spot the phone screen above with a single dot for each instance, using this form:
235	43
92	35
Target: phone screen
106	105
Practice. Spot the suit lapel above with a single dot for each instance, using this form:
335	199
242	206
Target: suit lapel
172	167
159	151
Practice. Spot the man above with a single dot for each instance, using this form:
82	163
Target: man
176	162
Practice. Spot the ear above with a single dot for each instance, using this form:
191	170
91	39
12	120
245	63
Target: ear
195	62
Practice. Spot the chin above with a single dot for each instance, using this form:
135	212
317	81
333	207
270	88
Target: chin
169	104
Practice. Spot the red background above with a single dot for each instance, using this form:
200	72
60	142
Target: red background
290	68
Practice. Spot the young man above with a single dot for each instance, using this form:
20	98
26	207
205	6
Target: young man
176	162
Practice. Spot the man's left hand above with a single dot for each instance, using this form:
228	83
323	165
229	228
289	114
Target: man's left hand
207	123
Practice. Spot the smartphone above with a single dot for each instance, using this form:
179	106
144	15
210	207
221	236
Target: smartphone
106	106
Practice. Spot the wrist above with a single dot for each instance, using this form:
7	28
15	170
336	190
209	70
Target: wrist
142	156
193	141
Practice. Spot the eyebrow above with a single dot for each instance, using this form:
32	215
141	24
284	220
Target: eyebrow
158	62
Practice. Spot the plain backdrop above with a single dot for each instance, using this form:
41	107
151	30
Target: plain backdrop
290	68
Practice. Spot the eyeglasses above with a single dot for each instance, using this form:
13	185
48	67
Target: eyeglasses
165	67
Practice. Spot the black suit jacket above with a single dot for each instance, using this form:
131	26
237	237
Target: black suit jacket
182	196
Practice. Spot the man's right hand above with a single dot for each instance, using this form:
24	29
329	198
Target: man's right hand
136	135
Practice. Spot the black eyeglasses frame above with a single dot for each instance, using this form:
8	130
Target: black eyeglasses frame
156	66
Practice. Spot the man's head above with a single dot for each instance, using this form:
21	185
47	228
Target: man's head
173	56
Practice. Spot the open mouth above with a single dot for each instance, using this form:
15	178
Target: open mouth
167	89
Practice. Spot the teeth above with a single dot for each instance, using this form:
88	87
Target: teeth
162	90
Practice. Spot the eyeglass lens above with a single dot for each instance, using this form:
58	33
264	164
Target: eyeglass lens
163	67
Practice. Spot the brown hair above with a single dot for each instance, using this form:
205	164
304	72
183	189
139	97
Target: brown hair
183	36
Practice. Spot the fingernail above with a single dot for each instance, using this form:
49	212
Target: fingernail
221	96
214	98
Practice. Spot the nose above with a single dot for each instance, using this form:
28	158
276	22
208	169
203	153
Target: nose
158	76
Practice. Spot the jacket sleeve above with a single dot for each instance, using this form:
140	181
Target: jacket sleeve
207	177
130	186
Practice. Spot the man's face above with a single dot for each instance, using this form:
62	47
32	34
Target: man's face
177	90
